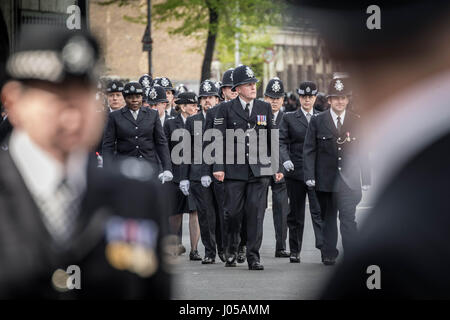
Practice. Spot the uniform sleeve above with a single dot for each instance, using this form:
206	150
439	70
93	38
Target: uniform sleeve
309	150
186	167
284	140
220	123
162	147
109	141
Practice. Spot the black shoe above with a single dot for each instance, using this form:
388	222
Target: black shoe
181	249
231	261
241	254
281	254
208	260
221	256
255	266
328	261
194	256
294	258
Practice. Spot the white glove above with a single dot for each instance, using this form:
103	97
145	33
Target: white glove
311	183
288	165
166	176
366	187
184	187
206	181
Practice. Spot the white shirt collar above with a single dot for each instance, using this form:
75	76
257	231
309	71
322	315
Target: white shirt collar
334	116
243	103
184	119
306	112
275	115
42	173
204	114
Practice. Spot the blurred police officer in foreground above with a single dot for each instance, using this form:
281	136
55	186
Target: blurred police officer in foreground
274	95
61	216
334	165
244	183
200	186
293	130
135	131
180	188
403	75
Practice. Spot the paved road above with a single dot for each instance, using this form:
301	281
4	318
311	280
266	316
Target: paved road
280	280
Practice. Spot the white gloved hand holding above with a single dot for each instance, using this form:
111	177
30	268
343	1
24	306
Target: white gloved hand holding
184	187
311	183
288	165
366	188
206	181
166	176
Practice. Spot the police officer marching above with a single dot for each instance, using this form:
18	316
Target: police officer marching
336	168
135	131
274	94
170	94
114	95
200	185
293	130
180	187
245	182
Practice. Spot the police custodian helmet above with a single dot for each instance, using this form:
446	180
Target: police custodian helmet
243	75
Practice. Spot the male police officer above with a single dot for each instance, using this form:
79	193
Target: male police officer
293	130
170	93
145	81
335	167
157	100
60	215
228	94
274	95
135	131
244	180
200	188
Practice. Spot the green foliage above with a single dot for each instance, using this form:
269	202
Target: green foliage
249	18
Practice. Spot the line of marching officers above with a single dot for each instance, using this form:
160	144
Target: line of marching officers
318	157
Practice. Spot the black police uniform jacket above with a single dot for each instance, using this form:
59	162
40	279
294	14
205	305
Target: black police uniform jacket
142	138
326	157
195	126
170	125
293	129
29	256
231	115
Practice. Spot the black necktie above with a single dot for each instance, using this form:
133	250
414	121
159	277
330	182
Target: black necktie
247	109
339	124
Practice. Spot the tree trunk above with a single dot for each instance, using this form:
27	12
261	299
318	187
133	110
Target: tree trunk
210	43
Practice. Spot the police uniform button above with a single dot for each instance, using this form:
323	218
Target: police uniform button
323	138
136	137
248	125
246	154
140	156
136	128
137	147
339	148
339	158
339	168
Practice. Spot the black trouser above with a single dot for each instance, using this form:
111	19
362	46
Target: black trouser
204	201
245	197
297	191
219	194
280	209
345	201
